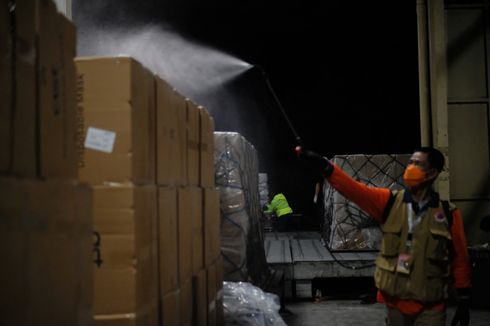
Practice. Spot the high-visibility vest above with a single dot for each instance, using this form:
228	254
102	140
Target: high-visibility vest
279	206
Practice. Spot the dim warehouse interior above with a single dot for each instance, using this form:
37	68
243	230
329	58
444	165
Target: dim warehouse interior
343	71
145	140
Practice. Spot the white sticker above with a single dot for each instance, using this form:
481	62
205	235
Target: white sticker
100	140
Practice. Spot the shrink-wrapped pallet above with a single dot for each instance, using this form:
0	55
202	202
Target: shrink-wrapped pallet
242	243
263	189
346	226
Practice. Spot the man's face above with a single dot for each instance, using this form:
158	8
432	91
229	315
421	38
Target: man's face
420	159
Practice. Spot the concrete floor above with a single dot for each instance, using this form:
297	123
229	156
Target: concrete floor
353	313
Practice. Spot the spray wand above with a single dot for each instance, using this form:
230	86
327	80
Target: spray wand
298	139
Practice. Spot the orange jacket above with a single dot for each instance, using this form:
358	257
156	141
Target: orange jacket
373	201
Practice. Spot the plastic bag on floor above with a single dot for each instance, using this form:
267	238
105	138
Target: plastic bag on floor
246	304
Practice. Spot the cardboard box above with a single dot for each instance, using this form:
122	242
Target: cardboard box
184	215
42	115
118	103
171	135
171	309
211	294
46	247
186	303
25	156
196	211
192	143
59	153
200	298
56	79
212	219
126	282
168	240
6	80
206	149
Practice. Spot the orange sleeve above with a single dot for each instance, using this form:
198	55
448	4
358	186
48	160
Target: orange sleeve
460	267
372	200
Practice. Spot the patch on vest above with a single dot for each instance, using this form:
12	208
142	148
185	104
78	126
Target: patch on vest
440	217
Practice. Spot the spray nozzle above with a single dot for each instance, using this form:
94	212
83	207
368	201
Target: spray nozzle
299	141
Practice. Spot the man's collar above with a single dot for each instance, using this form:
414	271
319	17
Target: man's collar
433	200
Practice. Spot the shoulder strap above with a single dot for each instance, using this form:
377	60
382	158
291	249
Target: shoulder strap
447	212
389	205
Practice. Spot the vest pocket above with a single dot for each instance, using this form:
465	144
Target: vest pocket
390	245
384	274
438	253
388	264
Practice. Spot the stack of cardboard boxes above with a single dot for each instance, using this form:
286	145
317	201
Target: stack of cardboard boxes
45	214
149	157
108	214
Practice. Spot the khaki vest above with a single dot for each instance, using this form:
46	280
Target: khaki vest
429	267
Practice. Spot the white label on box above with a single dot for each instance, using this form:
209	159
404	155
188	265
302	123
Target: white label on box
100	140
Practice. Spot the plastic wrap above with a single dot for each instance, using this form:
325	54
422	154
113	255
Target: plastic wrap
346	226
237	178
245	304
264	199
263	189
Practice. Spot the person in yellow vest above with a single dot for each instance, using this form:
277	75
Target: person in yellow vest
424	249
279	206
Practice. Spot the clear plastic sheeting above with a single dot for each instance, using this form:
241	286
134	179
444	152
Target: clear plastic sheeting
237	178
346	226
245	304
264	199
263	189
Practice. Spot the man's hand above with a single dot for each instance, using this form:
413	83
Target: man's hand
462	315
319	163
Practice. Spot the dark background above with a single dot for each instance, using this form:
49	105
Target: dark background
344	71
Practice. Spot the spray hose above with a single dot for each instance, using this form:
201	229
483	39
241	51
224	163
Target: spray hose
298	139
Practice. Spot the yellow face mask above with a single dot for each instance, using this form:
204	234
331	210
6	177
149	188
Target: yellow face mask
413	175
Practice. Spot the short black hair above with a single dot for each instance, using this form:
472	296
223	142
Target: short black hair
434	156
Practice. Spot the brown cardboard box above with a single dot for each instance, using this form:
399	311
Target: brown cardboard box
168	240
126	282
171	135
196	204
206	149
42	116
212	235
56	78
46	246
211	294
186	303
59	152
192	143
6	80
118	103
171	309
200	298
184	224
25	156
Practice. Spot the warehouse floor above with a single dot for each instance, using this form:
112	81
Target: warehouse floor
352	313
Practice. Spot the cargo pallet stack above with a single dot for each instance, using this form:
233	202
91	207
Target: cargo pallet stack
109	211
45	213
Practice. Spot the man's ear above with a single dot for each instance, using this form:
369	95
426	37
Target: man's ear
433	174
